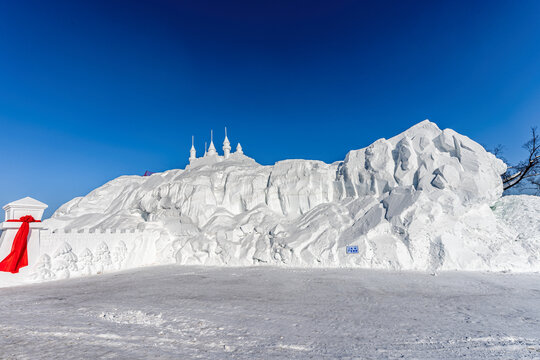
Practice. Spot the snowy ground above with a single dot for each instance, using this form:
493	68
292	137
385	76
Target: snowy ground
179	312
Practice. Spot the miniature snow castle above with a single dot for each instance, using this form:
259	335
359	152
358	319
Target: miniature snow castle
211	155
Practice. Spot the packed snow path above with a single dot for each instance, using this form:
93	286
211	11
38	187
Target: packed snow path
178	312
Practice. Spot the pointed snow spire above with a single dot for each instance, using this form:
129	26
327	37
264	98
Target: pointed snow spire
192	152
226	146
205	146
239	149
212	148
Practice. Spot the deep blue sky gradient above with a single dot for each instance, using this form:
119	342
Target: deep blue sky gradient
93	90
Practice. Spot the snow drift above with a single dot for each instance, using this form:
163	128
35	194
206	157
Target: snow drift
427	199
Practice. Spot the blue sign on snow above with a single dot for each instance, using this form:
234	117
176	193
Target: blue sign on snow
353	249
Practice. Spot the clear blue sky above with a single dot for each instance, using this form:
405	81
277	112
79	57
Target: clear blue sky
97	89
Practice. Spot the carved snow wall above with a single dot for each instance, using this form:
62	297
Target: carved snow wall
68	253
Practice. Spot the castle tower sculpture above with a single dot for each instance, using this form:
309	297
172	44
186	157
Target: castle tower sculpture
211	149
192	152
239	149
226	146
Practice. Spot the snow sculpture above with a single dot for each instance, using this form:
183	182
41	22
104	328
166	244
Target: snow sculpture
60	268
14	211
102	259
211	155
192	151
119	254
42	269
211	149
419	200
86	262
226	146
239	149
65	253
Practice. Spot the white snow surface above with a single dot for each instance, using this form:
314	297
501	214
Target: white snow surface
196	312
427	199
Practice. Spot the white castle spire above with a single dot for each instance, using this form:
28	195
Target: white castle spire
192	152
226	146
211	149
211	155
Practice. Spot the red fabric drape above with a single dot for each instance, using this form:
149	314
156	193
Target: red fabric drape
18	257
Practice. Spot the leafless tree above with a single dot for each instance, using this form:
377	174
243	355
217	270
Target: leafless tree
526	172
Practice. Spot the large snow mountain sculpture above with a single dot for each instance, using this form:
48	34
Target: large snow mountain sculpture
420	200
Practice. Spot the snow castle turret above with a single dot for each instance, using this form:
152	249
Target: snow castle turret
211	149
226	146
192	152
211	156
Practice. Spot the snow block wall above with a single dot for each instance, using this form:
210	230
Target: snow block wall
422	200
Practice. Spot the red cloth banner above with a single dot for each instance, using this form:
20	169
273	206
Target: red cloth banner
18	257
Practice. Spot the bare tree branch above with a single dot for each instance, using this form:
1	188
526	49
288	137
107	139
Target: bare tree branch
528	169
